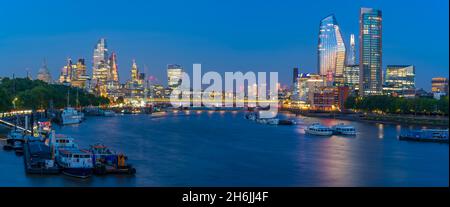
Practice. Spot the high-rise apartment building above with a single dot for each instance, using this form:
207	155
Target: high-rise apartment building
331	48
370	49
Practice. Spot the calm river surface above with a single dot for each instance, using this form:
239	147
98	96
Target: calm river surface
224	149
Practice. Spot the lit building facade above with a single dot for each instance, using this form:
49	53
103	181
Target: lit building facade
370	49
351	56
100	57
439	85
74	74
400	80
308	84
331	48
174	76
351	76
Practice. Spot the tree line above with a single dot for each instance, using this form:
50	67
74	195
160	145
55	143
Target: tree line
398	105
23	93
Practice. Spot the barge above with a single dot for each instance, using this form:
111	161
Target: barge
38	158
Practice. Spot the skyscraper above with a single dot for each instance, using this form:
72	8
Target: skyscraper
331	48
351	56
134	71
79	77
295	75
174	75
370	49
114	71
44	73
100	57
65	76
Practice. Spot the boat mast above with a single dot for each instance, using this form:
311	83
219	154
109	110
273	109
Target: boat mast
14	101
68	103
77	104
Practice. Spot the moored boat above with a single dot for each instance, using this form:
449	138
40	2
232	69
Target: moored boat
318	129
107	161
75	162
14	140
344	129
38	158
71	116
426	135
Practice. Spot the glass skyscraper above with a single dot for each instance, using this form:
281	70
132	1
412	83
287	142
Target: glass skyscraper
370	49
331	48
351	56
100	58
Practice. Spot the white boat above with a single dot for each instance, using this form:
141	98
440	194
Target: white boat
318	129
60	141
71	116
344	129
75	162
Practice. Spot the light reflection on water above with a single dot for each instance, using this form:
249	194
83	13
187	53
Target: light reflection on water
221	148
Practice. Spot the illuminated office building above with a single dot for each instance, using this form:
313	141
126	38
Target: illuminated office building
370	49
307	84
331	48
400	80
65	76
100	58
174	76
74	74
439	85
351	76
79	77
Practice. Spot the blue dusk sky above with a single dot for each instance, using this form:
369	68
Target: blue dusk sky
223	36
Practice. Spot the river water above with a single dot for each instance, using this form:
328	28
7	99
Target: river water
224	149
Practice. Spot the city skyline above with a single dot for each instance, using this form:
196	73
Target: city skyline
157	47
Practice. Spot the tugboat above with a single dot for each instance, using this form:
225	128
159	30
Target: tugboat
344	129
106	161
426	135
318	129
